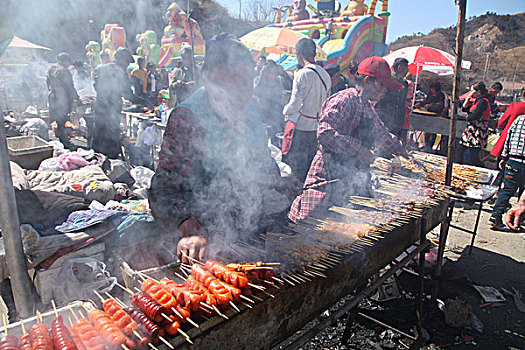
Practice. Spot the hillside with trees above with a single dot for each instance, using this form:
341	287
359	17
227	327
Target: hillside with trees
495	44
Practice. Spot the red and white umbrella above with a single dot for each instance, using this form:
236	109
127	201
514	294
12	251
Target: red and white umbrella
426	58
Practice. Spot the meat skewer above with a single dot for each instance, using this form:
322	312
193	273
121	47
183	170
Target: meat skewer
119	316
88	334
222	294
74	335
236	279
184	296
62	339
39	334
164	297
8	342
148	305
211	301
25	340
150	308
109	331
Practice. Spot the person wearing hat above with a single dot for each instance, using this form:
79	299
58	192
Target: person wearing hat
339	81
184	79
62	97
311	87
349	129
111	84
392	107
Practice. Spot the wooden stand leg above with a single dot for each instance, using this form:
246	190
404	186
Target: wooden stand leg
348	326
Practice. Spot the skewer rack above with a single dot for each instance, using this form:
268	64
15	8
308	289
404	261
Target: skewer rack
269	322
47	318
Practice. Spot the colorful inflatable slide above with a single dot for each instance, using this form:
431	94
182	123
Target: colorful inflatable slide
354	34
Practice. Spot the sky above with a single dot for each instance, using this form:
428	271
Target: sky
411	16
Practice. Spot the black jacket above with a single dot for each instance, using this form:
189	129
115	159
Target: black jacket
391	109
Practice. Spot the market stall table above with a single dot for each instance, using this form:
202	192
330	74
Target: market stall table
147	119
432	123
486	190
139	117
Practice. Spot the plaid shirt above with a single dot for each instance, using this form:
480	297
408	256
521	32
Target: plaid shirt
342	113
515	142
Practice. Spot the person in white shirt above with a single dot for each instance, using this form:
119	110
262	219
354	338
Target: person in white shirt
311	86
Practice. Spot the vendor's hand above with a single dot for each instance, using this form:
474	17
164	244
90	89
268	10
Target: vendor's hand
514	216
365	156
194	247
406	155
191	227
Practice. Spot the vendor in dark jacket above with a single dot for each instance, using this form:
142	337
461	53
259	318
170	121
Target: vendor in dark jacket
474	138
339	81
435	102
111	85
493	92
392	108
215	168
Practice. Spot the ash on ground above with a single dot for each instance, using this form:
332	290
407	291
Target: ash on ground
502	324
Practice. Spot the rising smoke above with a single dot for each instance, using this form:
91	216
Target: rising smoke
67	25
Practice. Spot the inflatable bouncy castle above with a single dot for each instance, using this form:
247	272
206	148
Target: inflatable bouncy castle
353	33
148	49
112	37
179	31
93	53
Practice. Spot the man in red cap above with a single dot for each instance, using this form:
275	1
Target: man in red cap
348	129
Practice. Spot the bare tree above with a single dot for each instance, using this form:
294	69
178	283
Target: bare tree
262	10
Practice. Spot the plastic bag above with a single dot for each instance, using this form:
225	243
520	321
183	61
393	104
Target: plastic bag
79	277
50	164
142	177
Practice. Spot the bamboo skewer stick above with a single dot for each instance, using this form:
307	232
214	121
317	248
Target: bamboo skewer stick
219	313
126	289
192	259
206	305
190	321
246	304
186	336
54	307
247	299
168	344
166	317
4	320
257	298
256	286
234	306
73	312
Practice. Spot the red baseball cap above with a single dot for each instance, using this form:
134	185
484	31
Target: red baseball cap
377	67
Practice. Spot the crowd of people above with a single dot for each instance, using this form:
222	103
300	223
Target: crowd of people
215	146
